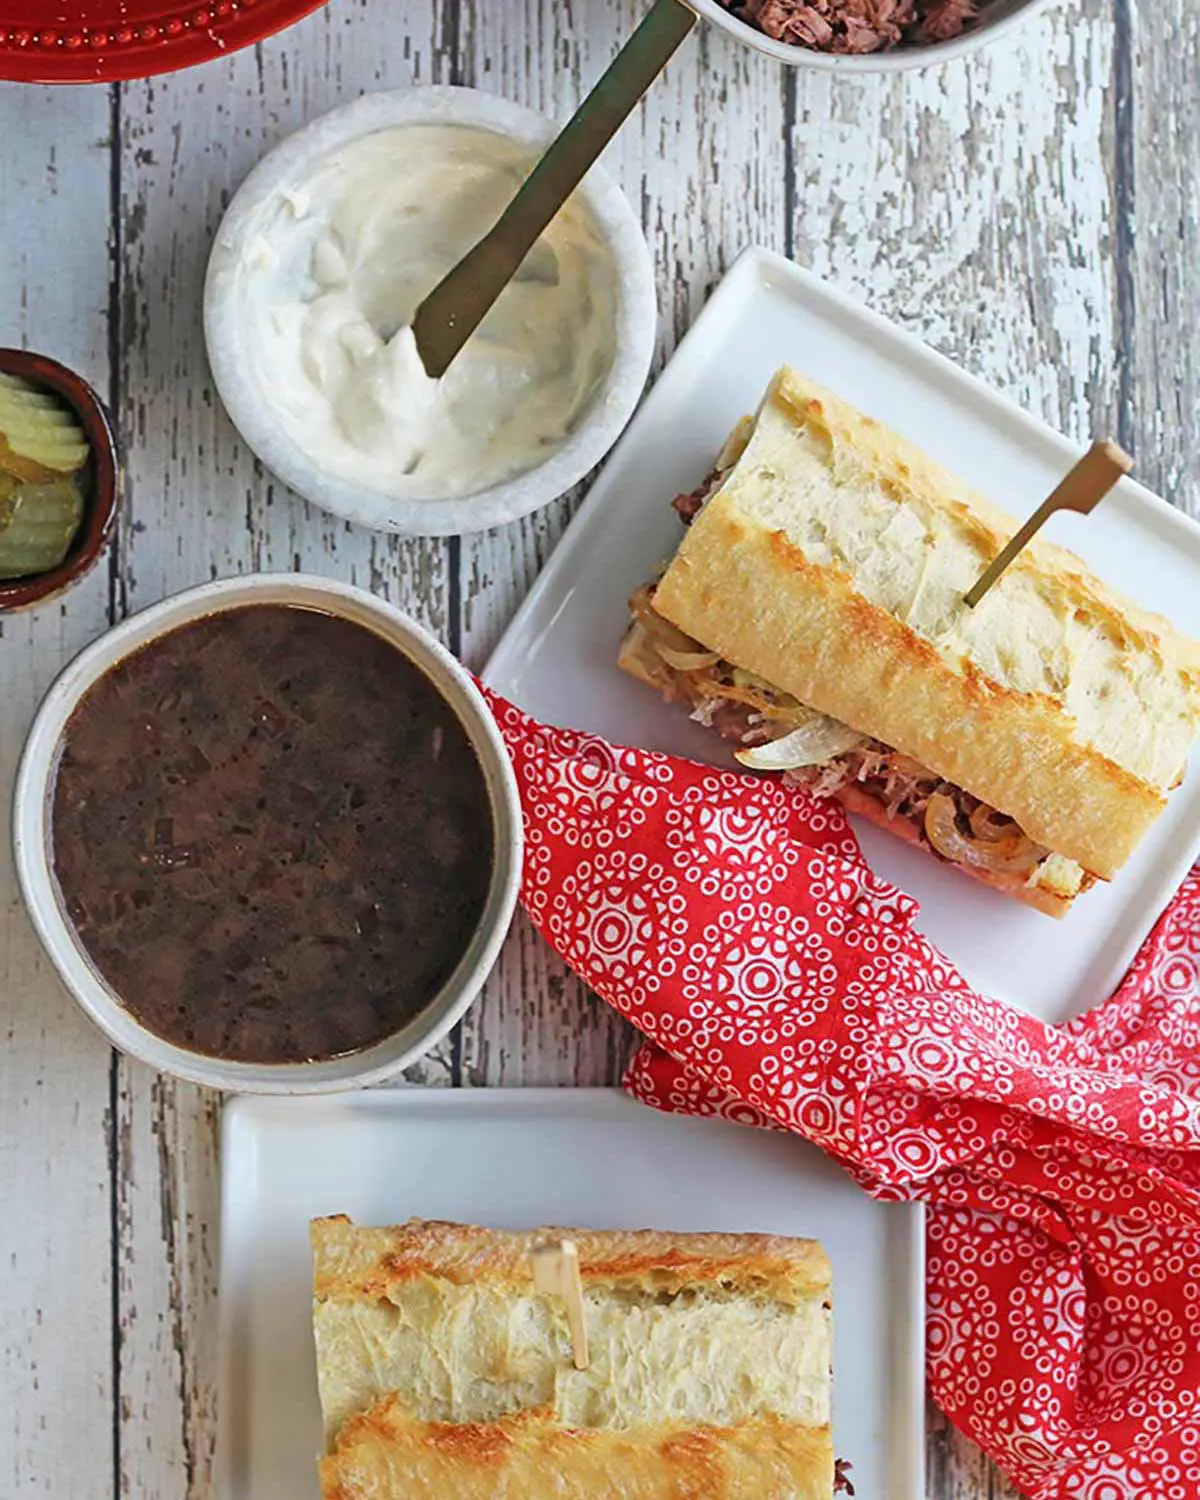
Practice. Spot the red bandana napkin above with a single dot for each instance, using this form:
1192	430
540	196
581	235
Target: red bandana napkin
779	982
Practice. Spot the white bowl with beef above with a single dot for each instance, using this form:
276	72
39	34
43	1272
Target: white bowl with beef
865	36
269	836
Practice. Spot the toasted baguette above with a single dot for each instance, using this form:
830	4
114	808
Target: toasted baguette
832	562
386	1455
1047	890
443	1372
1051	899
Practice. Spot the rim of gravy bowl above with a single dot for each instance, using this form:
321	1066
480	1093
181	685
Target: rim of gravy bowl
32	808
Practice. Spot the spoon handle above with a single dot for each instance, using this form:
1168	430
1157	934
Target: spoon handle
457	305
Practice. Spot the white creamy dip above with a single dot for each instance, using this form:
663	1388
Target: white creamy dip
337	265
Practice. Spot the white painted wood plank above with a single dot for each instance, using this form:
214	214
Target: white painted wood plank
971	203
700	162
1159	201
55	1288
199	506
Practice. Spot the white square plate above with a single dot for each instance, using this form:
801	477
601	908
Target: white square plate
517	1158
558	658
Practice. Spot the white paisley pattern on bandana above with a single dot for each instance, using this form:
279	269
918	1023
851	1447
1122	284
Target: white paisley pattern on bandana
779	983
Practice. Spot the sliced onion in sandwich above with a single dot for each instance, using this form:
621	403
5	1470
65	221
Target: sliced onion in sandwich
672	645
990	826
1014	854
687	661
661	631
815	740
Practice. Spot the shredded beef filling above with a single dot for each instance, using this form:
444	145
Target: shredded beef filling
900	784
855	25
688	507
950	822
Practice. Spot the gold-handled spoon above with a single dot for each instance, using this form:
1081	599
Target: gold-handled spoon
458	304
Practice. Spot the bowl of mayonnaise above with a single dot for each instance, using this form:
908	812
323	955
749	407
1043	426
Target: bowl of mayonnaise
322	259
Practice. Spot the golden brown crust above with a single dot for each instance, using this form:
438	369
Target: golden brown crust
353	1262
904	467
385	1455
1007	749
743	587
443	1372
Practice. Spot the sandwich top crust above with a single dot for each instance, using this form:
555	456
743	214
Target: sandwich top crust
441	1365
386	1455
352	1261
832	561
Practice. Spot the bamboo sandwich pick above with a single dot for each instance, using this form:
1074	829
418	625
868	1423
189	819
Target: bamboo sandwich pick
556	1273
1081	490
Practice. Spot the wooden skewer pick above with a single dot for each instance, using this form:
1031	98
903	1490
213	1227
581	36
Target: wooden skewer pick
1081	490
556	1273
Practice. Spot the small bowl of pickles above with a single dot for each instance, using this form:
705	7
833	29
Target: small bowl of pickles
59	482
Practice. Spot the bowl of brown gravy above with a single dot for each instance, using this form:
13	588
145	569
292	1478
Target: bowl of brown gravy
269	835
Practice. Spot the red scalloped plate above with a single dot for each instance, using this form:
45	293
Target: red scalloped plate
100	41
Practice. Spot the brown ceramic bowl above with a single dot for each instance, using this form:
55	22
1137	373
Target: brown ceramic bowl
102	475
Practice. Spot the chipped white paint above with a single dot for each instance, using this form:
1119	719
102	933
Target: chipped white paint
988	206
55	1240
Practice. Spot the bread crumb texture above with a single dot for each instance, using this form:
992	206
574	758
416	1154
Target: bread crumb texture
439	1362
913	538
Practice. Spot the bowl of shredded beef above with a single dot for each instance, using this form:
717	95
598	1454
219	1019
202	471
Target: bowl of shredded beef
866	35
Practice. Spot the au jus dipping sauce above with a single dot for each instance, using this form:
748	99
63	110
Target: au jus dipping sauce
272	835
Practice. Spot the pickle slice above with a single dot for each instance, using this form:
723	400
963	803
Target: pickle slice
40	436
19	386
38	523
27	396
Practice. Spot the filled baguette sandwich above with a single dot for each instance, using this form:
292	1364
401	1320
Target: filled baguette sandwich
814	615
443	1372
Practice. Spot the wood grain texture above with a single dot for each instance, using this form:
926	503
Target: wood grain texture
200	506
55	1233
973	206
1032	212
704	191
1157	192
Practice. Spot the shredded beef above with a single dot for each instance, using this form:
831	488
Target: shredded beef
855	25
841	1484
688	507
736	722
901	785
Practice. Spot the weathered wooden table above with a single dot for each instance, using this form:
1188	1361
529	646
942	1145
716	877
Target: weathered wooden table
1033	213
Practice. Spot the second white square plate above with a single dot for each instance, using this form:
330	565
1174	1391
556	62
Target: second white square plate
558	658
516	1159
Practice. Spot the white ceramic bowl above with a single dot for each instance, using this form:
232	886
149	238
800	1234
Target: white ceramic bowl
253	414
31	842
998	18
